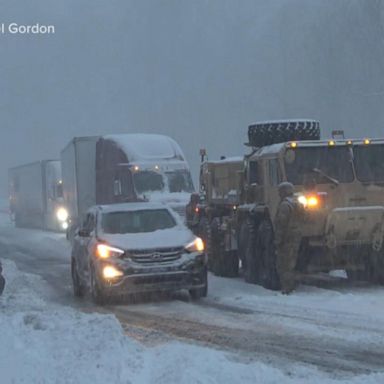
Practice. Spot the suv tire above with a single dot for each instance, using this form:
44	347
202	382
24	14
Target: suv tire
198	293
78	288
98	296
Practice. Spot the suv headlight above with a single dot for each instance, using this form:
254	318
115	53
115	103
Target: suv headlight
196	245
105	251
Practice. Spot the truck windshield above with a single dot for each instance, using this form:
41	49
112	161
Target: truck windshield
369	163
179	181
147	181
148	220
318	165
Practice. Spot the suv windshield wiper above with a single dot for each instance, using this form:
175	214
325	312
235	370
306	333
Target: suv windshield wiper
329	178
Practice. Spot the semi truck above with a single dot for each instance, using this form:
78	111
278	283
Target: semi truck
124	168
339	183
36	195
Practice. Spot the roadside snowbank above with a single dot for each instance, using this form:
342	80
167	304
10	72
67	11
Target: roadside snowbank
43	342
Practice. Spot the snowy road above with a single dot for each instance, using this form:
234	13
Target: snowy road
335	327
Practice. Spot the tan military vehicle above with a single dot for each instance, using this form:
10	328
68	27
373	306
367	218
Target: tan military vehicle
339	182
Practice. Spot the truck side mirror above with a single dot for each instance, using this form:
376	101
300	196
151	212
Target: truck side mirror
83	233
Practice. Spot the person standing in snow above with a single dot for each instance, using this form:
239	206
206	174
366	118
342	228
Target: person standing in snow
192	219
2	280
287	237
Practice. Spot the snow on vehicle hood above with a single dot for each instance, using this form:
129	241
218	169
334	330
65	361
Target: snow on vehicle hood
178	236
169	198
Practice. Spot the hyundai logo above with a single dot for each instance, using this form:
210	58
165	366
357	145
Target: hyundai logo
156	256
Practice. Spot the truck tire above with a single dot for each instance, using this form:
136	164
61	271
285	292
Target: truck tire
268	274
267	133
242	244
221	262
251	255
373	267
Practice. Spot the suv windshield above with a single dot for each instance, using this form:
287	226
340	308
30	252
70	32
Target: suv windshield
146	181
179	181
137	221
369	162
329	162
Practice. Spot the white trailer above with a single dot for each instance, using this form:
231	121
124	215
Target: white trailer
35	195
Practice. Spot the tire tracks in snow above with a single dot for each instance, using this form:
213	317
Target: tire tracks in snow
263	342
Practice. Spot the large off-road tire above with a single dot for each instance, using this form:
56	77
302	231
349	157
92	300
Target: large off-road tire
78	287
373	267
220	262
251	255
198	293
242	244
268	274
97	294
267	133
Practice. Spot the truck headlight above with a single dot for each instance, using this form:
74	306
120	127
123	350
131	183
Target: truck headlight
310	201
196	245
62	214
105	251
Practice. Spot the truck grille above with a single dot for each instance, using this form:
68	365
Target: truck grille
163	255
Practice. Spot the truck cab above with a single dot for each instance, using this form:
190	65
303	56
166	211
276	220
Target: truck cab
339	184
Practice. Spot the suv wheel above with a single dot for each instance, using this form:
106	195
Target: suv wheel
78	288
97	293
203	291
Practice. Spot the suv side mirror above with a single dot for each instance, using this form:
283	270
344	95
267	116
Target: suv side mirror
83	233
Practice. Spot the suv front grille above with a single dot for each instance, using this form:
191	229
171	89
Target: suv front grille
160	255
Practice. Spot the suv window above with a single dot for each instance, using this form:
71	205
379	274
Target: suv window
89	222
140	221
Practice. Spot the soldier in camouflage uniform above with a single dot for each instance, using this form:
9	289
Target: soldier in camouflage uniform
287	237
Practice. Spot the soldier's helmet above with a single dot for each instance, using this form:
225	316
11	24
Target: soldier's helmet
285	189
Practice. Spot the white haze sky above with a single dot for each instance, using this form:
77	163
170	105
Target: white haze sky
197	70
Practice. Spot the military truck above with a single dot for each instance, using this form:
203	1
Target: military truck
338	182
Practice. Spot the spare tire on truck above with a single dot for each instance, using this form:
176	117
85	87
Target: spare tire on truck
273	132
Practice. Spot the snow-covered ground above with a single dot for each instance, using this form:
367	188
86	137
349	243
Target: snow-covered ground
46	343
239	333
